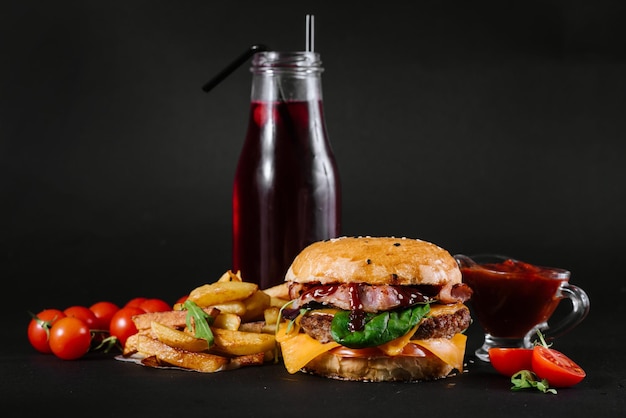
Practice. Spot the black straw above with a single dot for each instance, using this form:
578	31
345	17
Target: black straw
233	66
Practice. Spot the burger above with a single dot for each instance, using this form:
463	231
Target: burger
374	309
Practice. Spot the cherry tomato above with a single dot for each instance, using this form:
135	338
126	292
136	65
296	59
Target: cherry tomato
559	370
122	325
508	361
135	302
70	338
104	311
155	305
182	299
39	329
84	314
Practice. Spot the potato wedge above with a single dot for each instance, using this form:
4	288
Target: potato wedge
236	307
227	321
258	327
229	276
174	319
269	329
153	361
202	362
255	305
130	347
240	343
178	339
255	326
255	359
271	314
221	292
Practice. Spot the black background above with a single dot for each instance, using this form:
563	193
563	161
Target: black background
482	127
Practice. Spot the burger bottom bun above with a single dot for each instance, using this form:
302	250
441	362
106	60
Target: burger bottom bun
378	369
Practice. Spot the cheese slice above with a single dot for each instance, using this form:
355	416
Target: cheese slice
451	351
437	309
395	347
299	349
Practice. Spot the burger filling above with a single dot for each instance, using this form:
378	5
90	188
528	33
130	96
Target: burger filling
317	324
364	315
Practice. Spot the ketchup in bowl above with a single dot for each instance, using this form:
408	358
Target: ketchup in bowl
511	297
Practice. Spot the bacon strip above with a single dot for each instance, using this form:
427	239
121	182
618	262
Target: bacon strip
459	292
361	297
375	298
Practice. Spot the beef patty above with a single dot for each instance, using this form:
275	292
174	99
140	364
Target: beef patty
317	325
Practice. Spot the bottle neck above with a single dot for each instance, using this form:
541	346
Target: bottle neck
286	76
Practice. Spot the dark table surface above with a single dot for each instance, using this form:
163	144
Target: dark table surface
100	385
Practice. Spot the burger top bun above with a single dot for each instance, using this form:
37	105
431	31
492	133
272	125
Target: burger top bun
376	261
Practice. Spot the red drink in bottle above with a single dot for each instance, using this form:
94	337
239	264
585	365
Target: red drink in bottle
286	193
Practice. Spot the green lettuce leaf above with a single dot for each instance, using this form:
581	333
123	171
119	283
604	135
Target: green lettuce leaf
379	328
201	321
525	379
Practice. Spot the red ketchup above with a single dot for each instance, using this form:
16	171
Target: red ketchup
511	297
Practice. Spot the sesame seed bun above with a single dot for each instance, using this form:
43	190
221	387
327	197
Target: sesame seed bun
376	261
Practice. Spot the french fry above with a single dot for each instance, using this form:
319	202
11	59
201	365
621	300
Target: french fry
236	307
174	319
152	361
178	339
255	359
243	327
269	329
229	276
221	292
271	314
130	347
227	321
259	327
255	305
271	317
238	343
255	326
202	362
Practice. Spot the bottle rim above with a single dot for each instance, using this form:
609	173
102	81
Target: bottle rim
280	61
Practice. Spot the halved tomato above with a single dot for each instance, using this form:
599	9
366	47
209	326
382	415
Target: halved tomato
357	352
559	370
414	350
409	350
508	361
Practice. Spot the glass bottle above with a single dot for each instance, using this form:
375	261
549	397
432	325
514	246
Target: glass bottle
286	192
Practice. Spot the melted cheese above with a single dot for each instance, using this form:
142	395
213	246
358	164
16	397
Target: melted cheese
395	347
298	349
451	351
438	309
